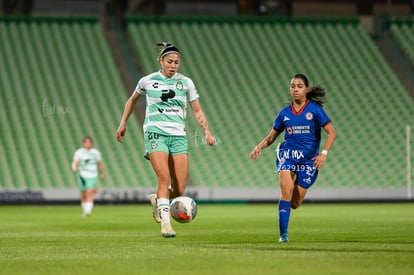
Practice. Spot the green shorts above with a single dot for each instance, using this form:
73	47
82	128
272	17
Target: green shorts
84	183
172	145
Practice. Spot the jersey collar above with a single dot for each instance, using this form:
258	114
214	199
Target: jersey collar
301	109
165	77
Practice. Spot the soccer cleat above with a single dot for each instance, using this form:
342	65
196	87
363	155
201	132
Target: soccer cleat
167	231
155	213
86	215
284	238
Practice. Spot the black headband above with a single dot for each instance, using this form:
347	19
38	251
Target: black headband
168	50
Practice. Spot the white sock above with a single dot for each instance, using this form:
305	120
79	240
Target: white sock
88	207
83	207
164	209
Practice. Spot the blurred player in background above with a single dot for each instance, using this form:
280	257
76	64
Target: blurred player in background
298	157
86	163
167	93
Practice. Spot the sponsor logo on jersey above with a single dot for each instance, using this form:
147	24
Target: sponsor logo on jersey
172	110
305	129
309	116
155	85
167	94
168	110
286	118
179	85
283	155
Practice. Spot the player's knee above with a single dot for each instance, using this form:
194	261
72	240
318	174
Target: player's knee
286	195
286	191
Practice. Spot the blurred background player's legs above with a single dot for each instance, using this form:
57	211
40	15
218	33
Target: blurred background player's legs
88	190
87	205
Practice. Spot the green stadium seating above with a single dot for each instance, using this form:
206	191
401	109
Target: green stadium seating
65	64
403	32
242	68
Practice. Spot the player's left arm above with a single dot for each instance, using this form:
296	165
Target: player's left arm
101	170
320	159
202	121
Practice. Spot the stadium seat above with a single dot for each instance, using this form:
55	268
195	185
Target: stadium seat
61	84
403	32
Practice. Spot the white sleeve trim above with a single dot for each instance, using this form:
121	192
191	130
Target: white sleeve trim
140	88
192	91
98	156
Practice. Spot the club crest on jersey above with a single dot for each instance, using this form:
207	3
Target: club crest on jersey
154	144
179	85
289	130
309	116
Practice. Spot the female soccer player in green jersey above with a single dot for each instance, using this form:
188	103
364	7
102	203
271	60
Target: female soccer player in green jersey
167	93
86	163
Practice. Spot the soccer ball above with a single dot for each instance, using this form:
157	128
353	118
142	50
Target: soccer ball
183	209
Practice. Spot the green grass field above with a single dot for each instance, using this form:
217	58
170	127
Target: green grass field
224	239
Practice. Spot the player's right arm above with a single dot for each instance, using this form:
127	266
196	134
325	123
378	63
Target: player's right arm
75	165
76	161
266	142
129	107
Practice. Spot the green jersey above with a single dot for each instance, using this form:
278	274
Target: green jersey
166	102
88	162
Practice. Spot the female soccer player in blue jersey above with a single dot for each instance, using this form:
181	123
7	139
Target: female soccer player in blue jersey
167	93
298	157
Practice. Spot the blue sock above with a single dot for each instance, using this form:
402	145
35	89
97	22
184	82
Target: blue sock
284	213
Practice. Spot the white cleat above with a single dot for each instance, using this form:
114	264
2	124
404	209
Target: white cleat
167	231
86	215
284	238
155	214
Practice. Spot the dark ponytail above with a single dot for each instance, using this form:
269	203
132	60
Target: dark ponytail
315	93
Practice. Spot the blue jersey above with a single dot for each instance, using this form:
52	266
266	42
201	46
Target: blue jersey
302	131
